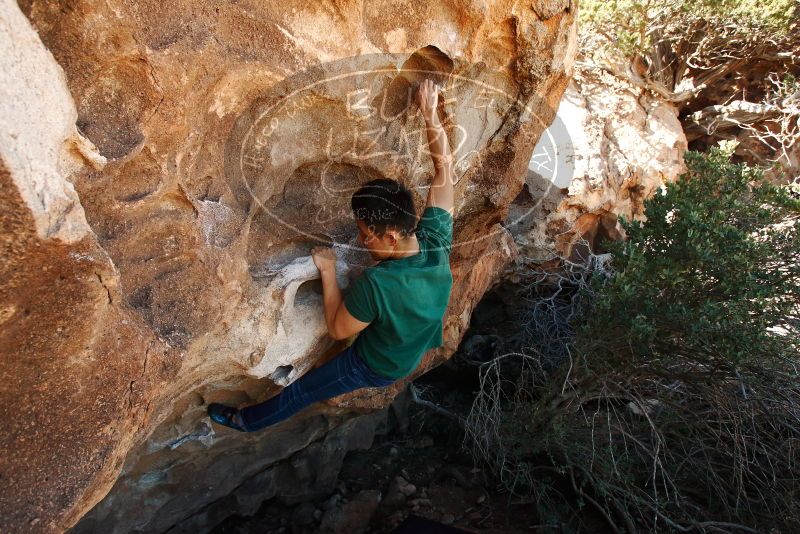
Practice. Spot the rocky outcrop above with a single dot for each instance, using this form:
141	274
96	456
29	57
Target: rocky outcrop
72	353
612	146
161	196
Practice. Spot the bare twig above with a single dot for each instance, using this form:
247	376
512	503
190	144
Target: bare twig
434	407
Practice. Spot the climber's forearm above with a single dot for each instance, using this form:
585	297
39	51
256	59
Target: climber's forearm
441	191
331	297
437	143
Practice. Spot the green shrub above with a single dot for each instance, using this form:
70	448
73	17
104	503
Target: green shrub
629	24
715	269
678	404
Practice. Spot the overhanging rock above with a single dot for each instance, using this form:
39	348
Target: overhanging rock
216	143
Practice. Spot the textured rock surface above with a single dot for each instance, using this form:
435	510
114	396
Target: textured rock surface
156	258
71	354
611	147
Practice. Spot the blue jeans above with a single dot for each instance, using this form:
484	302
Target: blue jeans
344	373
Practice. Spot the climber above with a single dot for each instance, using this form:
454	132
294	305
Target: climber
396	306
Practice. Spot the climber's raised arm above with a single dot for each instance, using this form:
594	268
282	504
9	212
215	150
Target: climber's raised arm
441	190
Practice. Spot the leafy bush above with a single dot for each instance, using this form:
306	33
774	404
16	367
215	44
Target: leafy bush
629	23
680	49
678	404
715	269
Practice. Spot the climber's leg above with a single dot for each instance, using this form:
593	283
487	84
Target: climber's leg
344	373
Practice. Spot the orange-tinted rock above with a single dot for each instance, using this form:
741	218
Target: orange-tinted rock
216	143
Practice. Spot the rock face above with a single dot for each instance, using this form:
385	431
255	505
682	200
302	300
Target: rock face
611	147
166	168
72	353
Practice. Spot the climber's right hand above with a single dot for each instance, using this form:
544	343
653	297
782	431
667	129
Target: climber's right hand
427	98
324	258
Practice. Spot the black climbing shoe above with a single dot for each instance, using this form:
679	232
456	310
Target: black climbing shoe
225	415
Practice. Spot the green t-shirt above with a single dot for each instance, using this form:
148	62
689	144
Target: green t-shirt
404	300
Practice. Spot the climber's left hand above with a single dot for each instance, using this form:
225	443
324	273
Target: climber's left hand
324	258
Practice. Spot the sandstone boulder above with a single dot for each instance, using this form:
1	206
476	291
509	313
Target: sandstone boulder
166	168
612	146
